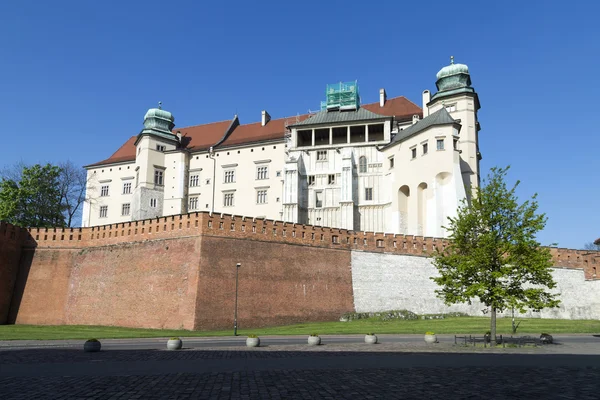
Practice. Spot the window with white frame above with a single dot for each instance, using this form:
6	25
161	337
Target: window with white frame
158	177
104	191
318	199
229	176
262	172
440	144
160	147
103	211
368	193
261	196
126	209
127	188
331	179
153	203
451	107
311	180
413	153
425	148
194	180
193	203
322	155
228	199
362	164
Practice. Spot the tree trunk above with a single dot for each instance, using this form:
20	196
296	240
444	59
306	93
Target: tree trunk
493	326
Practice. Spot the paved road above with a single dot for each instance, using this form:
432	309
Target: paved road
283	370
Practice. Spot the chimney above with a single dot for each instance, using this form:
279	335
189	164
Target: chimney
426	100
382	97
265	118
179	136
415	119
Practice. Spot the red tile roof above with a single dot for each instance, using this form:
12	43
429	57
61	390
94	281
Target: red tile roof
201	137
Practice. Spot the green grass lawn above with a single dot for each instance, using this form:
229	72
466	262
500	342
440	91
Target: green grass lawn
468	325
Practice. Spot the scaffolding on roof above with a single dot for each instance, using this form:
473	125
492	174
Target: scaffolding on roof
341	96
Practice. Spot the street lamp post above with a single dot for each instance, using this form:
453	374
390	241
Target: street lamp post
237	268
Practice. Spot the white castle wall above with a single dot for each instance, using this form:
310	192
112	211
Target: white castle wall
390	282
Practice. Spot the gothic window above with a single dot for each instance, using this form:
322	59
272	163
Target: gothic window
261	196
194	180
362	164
127	188
228	200
193	203
125	209
229	176
262	172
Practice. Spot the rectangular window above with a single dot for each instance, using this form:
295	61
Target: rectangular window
229	176
261	196
104	191
368	193
318	199
127	188
160	147
425	148
228	200
278	173
331	179
158	177
413	153
322	155
451	107
153	203
440	144
311	180
391	162
103	211
193	203
125	209
194	180
262	172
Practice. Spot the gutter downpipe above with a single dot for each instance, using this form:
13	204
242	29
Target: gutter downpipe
211	154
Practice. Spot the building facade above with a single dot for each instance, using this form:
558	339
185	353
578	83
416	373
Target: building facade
389	166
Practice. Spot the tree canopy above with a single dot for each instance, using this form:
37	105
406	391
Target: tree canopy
493	255
33	200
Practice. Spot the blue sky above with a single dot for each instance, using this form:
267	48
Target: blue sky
77	77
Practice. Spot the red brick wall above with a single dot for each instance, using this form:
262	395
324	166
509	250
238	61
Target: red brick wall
278	283
179	271
11	242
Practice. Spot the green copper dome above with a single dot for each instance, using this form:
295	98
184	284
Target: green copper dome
453	76
159	120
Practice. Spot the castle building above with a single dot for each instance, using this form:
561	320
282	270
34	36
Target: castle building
389	166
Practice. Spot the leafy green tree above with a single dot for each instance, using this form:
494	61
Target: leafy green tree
35	199
493	255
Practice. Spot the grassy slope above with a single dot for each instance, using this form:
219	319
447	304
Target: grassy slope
469	325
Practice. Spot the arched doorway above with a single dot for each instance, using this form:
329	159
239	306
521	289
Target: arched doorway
403	196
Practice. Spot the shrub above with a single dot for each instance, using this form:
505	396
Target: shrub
252	336
92	340
174	338
429	333
370	334
314	334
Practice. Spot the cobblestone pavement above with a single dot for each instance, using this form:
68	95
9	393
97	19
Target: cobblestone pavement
351	371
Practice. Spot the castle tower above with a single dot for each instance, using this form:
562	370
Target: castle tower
461	101
150	173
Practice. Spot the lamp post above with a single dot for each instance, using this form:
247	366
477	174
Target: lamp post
237	268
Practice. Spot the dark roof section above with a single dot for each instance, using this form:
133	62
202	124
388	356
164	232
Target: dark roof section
332	117
440	117
597	242
202	137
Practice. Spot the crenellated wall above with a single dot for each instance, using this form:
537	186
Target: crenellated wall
179	272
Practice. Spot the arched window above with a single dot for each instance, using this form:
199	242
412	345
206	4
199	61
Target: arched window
362	164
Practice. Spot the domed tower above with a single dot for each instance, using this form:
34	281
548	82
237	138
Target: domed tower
461	101
151	144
